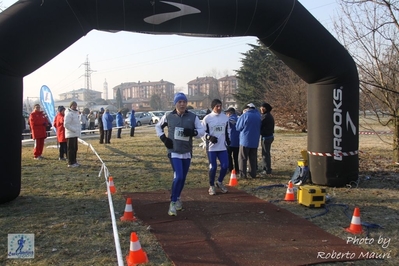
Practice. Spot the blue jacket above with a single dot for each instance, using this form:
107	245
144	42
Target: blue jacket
119	119
132	119
107	121
234	134
249	126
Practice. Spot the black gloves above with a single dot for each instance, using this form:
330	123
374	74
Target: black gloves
188	132
167	141
212	139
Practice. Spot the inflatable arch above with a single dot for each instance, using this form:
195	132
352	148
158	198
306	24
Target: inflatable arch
32	32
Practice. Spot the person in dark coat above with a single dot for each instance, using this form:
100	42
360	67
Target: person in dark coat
267	136
100	124
132	121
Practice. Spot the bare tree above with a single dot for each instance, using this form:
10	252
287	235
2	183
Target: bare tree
369	30
288	96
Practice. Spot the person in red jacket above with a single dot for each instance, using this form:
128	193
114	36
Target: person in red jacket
38	123
59	126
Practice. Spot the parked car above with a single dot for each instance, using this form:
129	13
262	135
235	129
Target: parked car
156	116
142	118
200	113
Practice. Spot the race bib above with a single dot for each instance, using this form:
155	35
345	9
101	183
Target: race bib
179	135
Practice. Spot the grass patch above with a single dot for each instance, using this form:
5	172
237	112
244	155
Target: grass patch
67	209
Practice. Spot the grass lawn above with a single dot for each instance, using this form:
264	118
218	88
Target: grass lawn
68	212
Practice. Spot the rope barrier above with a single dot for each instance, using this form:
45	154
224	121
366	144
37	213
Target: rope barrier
104	170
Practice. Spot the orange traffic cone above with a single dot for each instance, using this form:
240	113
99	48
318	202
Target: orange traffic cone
355	226
233	179
136	254
289	195
128	215
112	188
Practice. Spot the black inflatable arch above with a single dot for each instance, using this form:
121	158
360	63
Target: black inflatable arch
32	32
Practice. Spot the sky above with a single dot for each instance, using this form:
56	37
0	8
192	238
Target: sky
132	57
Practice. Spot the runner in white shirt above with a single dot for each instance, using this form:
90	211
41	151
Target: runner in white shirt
215	126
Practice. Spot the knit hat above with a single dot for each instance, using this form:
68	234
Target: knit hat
72	103
267	106
179	97
101	110
61	108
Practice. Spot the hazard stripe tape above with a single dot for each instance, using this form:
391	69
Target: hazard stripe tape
327	154
375	132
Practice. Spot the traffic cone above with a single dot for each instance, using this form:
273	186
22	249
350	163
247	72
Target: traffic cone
233	179
289	195
128	215
355	226
112	188
136	254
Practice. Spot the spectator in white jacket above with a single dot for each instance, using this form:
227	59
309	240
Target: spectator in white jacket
72	132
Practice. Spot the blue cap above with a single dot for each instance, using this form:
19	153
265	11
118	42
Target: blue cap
179	97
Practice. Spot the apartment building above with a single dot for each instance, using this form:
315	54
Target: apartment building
138	94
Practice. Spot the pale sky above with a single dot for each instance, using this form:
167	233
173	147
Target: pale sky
132	57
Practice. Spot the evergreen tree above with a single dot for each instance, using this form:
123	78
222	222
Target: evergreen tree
263	77
119	102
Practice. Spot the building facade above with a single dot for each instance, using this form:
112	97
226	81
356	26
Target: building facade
83	95
227	88
138	94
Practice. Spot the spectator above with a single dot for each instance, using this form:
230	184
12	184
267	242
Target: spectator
132	121
249	126
38	123
72	132
267	135
215	126
234	136
182	127
83	120
119	124
107	124
100	124
60	130
92	120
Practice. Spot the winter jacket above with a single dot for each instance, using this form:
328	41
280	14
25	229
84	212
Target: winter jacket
72	123
132	119
59	126
267	128
38	123
233	133
119	119
249	126
107	121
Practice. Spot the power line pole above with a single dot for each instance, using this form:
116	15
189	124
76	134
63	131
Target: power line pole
87	75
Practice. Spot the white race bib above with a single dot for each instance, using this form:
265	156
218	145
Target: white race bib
179	135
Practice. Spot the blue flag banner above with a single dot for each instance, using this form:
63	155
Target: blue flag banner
47	101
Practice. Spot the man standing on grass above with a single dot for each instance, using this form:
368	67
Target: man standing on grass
249	126
72	132
215	126
182	127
